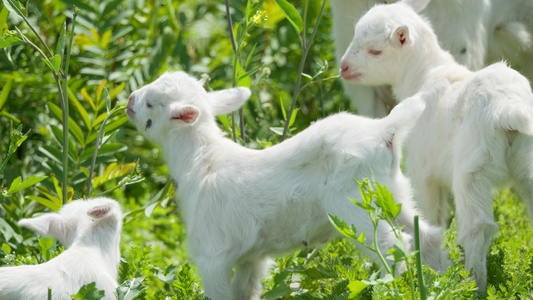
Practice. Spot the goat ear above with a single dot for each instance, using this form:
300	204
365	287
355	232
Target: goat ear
51	224
401	36
228	100
417	5
99	211
186	114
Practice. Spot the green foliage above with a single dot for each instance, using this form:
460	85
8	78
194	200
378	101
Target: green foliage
66	70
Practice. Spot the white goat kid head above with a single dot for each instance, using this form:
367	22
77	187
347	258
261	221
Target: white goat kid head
94	221
373	57
177	101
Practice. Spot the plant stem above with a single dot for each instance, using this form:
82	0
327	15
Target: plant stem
381	258
305	50
421	284
66	111
236	53
101	132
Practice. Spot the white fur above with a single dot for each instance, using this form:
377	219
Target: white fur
474	135
475	32
90	231
242	205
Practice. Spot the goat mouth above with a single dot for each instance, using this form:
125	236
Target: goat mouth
131	113
352	76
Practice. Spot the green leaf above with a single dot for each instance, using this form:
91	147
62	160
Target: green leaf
5	92
79	108
89	292
356	287
14	7
279	291
343	227
10	41
51	204
291	14
6	248
107	99
60	48
385	201
4	13
56	62
130	289
293	116
46	244
17	185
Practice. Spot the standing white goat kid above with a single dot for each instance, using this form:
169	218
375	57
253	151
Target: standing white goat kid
90	231
242	205
474	135
475	32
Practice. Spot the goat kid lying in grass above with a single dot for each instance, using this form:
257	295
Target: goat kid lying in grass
242	205
474	135
90	231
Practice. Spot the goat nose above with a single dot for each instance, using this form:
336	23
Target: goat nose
344	68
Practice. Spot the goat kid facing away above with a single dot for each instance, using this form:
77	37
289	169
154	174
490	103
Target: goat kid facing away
90	231
242	206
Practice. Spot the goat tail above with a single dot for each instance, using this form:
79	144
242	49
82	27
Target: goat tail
517	118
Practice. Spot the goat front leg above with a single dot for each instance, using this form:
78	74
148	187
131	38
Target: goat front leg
247	279
475	224
216	278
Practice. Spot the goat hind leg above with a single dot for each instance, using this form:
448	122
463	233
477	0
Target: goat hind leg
475	223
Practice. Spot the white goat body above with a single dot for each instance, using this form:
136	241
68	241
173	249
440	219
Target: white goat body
475	32
90	231
474	135
242	205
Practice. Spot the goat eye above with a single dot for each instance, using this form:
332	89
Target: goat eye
374	52
148	124
149	105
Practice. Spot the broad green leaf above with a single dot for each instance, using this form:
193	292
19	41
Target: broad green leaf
89	292
279	291
277	130
130	289
291	14
342	227
269	15
15	7
385	201
17	185
46	244
356	287
6	248
49	64
60	48
10	41
242	79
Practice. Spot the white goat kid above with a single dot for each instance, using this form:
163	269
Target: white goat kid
459	24
242	205
90	231
474	135
475	32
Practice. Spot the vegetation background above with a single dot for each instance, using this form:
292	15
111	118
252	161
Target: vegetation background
120	45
